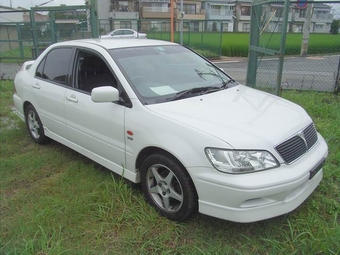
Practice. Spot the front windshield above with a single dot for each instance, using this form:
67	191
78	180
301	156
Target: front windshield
160	73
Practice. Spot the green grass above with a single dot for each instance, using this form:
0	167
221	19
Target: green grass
55	201
12	56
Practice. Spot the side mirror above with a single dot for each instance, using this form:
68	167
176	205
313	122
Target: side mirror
104	94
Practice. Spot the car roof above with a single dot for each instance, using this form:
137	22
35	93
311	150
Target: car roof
109	43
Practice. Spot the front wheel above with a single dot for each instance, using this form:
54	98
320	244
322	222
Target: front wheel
168	187
34	125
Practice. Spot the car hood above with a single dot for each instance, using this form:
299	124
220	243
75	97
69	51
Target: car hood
243	117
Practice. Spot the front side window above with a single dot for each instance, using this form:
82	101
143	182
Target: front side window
92	72
162	73
118	32
55	66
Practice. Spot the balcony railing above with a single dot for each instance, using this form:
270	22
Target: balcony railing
221	12
156	12
156	9
323	16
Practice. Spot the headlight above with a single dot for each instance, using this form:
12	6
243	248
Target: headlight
240	161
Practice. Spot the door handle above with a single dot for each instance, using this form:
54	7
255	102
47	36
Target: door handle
72	98
36	86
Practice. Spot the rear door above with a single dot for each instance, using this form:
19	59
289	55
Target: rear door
49	88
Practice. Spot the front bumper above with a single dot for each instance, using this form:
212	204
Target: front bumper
260	195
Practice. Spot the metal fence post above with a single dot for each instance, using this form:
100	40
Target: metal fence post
35	50
94	19
255	29
282	47
52	24
337	81
221	29
21	47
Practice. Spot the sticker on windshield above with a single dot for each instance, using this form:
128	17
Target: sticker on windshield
163	90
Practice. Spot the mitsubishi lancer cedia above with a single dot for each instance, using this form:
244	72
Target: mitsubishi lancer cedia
163	116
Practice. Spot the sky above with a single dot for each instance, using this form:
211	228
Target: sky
31	3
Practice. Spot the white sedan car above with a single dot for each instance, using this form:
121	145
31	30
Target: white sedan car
124	33
162	116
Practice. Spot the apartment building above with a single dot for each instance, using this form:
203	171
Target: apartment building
321	18
242	11
193	15
206	15
116	14
219	15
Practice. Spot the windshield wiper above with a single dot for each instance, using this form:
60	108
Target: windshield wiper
225	83
201	74
200	90
218	74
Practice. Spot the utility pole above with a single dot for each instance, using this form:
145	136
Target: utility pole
306	31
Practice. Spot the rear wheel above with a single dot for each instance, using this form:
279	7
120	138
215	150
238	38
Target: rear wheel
34	125
168	187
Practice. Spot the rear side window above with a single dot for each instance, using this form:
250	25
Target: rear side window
128	32
55	67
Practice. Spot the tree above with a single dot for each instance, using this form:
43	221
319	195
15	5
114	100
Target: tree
335	27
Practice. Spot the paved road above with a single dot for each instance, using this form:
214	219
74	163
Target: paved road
316	73
8	71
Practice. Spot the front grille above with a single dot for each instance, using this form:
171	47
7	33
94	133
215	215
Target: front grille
296	146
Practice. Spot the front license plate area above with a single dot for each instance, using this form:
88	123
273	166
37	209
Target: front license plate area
317	168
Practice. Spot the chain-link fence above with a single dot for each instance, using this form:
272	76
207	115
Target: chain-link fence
15	35
24	34
307	40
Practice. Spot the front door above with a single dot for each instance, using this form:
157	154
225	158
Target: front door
97	129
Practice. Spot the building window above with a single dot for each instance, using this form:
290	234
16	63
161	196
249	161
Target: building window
318	26
246	27
245	10
278	12
189	8
196	26
302	13
321	14
220	10
225	26
125	24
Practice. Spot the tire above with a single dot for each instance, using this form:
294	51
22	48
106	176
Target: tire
168	187
34	125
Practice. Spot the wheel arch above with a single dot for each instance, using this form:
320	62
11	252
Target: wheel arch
144	153
25	104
